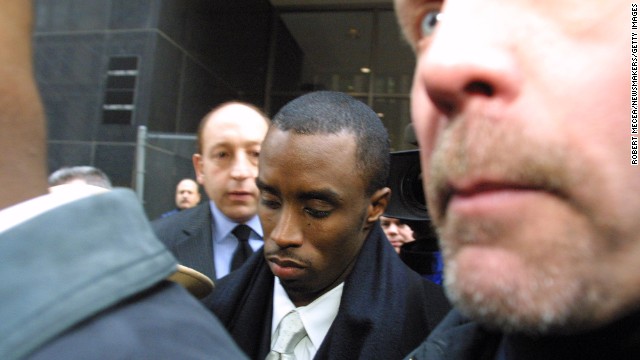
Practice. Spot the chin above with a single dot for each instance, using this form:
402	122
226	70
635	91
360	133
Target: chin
502	293
240	214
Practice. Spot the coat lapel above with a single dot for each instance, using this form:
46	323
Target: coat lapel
195	249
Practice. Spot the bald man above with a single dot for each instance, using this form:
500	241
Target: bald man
187	196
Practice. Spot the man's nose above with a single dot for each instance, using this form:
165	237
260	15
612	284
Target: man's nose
242	167
286	232
469	58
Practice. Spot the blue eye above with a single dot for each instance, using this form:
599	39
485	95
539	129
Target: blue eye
429	22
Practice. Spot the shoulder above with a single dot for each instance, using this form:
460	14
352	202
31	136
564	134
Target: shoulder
182	219
169	213
162	322
457	337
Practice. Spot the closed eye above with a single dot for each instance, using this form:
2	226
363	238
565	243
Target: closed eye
319	214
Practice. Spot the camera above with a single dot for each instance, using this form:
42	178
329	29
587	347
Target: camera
408	203
405	181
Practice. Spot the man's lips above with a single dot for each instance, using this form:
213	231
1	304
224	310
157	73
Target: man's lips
285	268
483	197
240	194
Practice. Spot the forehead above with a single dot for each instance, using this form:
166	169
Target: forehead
294	159
235	121
390	220
187	184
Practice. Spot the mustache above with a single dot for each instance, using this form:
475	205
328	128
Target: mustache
495	152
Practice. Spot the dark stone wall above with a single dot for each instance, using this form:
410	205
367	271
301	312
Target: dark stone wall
191	56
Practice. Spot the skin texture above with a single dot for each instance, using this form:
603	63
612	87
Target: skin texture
397	232
187	194
22	138
523	126
228	164
314	210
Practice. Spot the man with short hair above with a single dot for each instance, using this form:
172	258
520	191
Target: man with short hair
187	196
88	175
226	165
326	265
521	109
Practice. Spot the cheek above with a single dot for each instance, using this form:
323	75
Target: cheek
325	240
214	174
267	219
426	119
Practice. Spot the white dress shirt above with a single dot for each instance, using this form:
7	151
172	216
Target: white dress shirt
225	243
317	318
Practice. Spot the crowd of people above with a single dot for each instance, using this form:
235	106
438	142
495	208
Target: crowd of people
524	153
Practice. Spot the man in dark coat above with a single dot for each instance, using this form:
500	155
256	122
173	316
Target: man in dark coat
226	165
322	176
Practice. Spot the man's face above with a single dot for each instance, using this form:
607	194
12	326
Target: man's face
521	109
228	165
187	194
313	210
397	232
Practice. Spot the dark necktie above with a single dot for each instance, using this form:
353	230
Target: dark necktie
244	250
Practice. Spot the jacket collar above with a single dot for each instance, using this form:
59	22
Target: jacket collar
72	261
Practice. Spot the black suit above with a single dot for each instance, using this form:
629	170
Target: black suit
187	235
386	309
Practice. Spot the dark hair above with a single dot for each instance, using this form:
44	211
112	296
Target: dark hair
89	174
330	112
205	119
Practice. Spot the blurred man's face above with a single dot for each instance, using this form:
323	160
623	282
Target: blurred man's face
521	109
228	165
187	194
397	232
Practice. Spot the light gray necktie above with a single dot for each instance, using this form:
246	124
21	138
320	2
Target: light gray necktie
289	335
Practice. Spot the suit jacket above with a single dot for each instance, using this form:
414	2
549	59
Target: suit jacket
188	235
386	309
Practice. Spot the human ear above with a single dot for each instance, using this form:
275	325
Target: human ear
377	204
197	167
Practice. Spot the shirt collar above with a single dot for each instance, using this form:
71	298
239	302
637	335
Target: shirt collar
29	209
317	317
224	225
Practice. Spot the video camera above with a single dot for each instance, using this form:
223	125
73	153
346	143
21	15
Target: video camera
405	181
408	203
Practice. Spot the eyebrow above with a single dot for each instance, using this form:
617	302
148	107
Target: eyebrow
326	195
264	187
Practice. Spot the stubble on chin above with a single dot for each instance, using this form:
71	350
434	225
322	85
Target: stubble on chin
515	291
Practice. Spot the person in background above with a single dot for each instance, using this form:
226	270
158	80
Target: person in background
326	266
397	231
524	113
87	175
81	274
216	237
187	196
